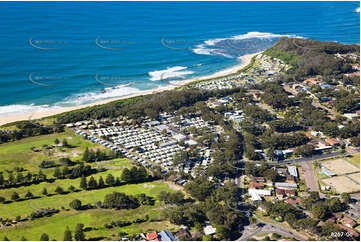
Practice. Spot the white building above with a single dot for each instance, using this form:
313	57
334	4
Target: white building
257	194
292	170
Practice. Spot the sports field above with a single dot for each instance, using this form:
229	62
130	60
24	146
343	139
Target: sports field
355	177
342	184
340	166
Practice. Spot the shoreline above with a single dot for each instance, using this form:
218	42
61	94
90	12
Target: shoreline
245	60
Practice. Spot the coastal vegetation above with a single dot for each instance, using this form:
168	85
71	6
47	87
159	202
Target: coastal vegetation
115	176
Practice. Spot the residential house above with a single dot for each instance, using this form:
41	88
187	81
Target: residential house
292	170
209	229
280	194
183	233
311	81
258	179
332	142
285	185
165	235
256	185
290	179
257	194
349	222
152	236
294	202
353	232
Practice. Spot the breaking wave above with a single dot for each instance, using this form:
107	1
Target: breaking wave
171	72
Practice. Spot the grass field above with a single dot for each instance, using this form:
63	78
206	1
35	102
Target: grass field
115	167
55	225
355	159
19	153
25	207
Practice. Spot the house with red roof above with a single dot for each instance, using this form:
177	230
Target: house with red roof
152	236
349	222
332	141
353	232
256	185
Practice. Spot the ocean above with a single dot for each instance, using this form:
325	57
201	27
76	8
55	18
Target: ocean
62	54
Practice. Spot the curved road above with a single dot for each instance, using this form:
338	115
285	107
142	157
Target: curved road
268	228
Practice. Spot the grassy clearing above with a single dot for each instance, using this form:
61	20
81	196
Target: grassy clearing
25	207
19	153
115	167
95	218
355	159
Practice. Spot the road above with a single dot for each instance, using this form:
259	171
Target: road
309	176
250	231
314	157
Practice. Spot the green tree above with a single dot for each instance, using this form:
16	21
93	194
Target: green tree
71	188
23	239
79	233
56	141
15	196
67	234
75	204
86	155
45	191
92	184
57	173
101	183
19	178
65	171
305	150
126	175
222	232
44	237
59	190
6	239
2	180
110	181
319	212
83	183
2	199
29	195
346	198
11	179
65	143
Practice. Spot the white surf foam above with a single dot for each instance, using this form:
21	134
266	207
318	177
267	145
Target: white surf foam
73	100
171	72
90	97
21	109
208	46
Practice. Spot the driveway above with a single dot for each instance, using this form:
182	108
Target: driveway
309	176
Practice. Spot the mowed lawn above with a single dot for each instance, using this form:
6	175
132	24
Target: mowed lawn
19	153
24	208
355	159
55	225
114	167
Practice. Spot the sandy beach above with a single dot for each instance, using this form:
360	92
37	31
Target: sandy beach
245	60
